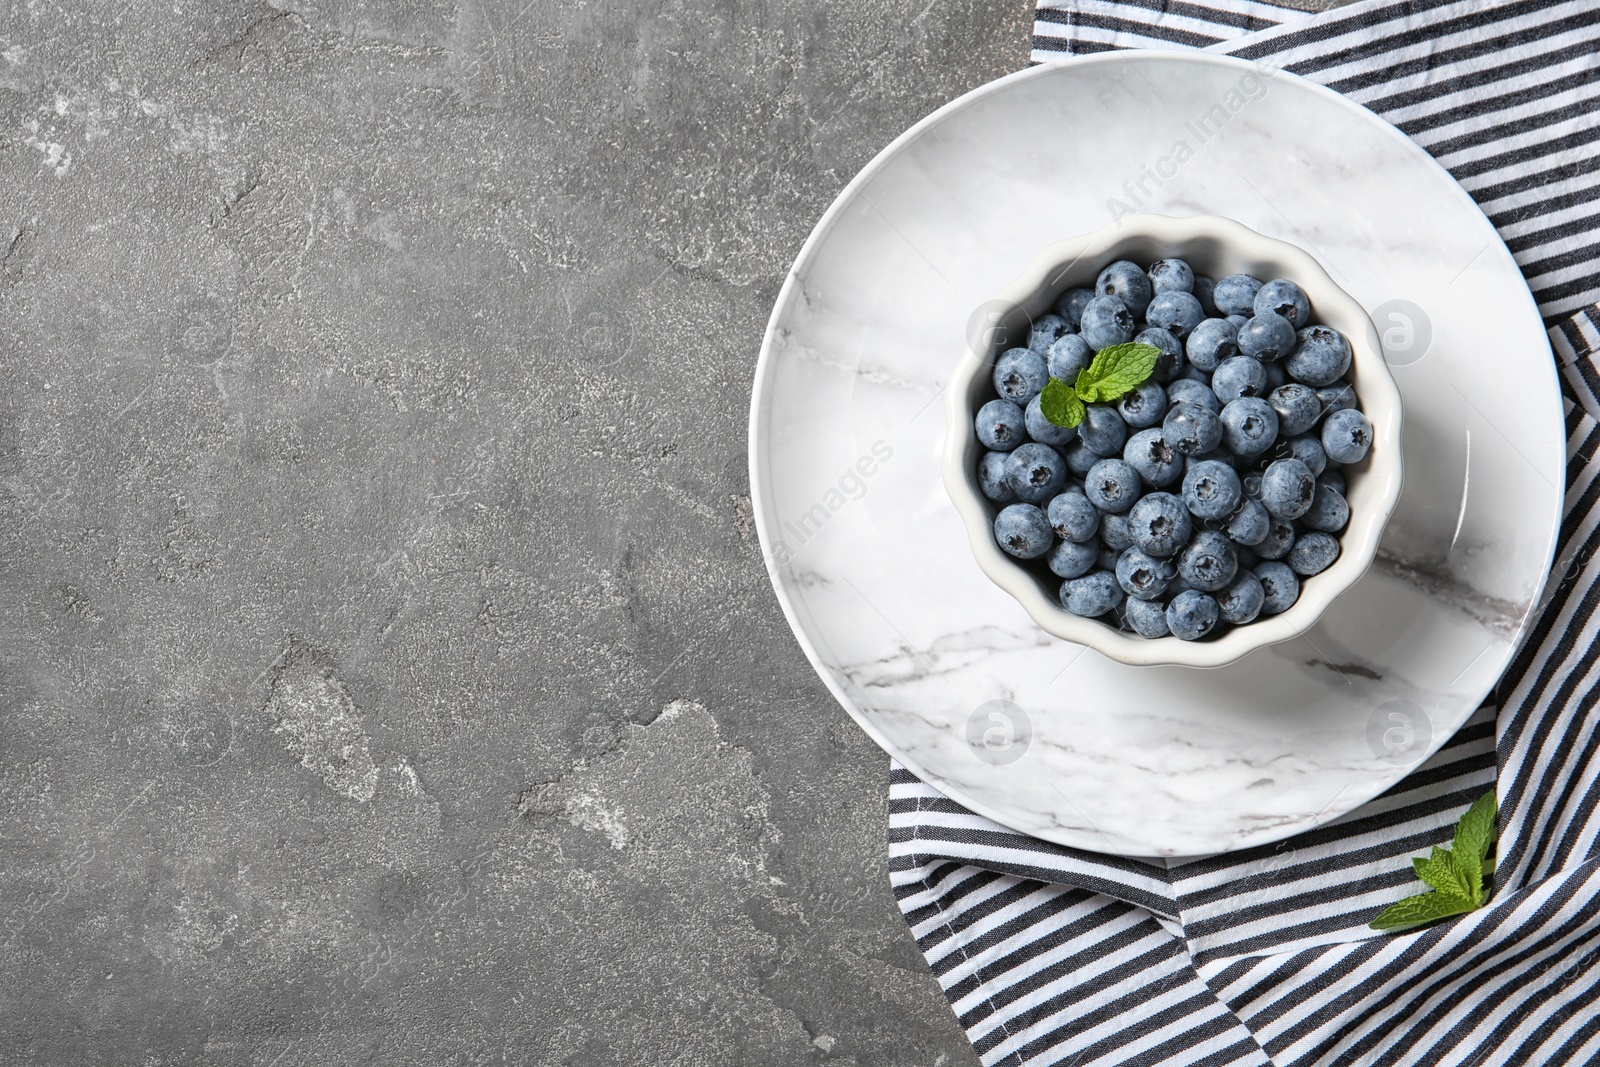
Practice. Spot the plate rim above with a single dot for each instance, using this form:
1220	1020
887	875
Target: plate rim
760	492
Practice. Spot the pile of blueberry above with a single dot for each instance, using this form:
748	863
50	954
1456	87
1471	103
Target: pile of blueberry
1201	497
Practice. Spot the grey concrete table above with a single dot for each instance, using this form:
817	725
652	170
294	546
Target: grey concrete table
388	672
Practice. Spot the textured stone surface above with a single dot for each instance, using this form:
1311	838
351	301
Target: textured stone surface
387	667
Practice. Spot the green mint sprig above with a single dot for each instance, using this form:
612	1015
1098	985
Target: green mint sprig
1115	370
1457	874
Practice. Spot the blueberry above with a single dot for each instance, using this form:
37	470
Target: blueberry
1328	512
1241	602
1297	406
1191	429
1047	331
1159	524
1035	472
1276	375
1128	282
1321	356
1194	374
1283	297
1236	294
1043	430
1332	479
1020	375
1112	485
1093	594
1266	337
1191	615
1175	312
1072	303
1185	391
1208	563
1108	559
1336	397
1171	275
1115	532
1287	488
1308	450
1068	357
1278	542
1211	342
1107	321
1170	362
1238	376
1346	436
1103	430
1079	458
992	477
1023	531
1143	407
1238	321
1313	553
1000	425
1147	618
1205	291
1251	484
1247	558
1211	490
1143	576
1249	426
1156	461
1279	585
1249	525
1071	559
1216	455
1072	517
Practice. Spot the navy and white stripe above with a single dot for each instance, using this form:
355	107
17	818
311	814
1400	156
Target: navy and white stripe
1050	955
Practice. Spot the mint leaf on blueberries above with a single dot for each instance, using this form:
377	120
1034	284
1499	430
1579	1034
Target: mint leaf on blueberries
1456	874
1060	404
1116	370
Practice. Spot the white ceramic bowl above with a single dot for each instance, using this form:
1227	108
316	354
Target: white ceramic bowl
1215	247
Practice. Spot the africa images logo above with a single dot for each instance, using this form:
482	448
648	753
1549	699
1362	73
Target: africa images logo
999	732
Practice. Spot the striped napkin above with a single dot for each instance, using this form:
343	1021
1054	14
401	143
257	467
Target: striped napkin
1050	955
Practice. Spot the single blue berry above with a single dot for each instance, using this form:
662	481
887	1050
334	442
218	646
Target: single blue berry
1297	406
1320	357
1347	436
1000	425
1283	297
1332	479
1287	487
1107	321
1251	483
1237	321
1068	357
1236	295
1112	485
1191	429
1043	430
1211	342
1036	472
1115	532
1102	430
1141	575
1072	559
1279	586
1020	375
1249	525
1328	512
1205	291
1191	615
1023	531
1216	455
1242	600
1278	542
1187	391
992	477
1249	426
1128	282
1276	375
1211	490
1336	397
1266	337
1157	462
1079	458
1072	303
1171	275
1072	517
1238	376
1159	524
1208	562
1144	406
1147	618
1092	595
1175	312
1307	448
1313	553
1170	363
1047	331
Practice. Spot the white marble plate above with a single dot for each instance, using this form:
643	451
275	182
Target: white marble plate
945	670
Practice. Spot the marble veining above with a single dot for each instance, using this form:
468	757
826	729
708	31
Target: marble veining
879	582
